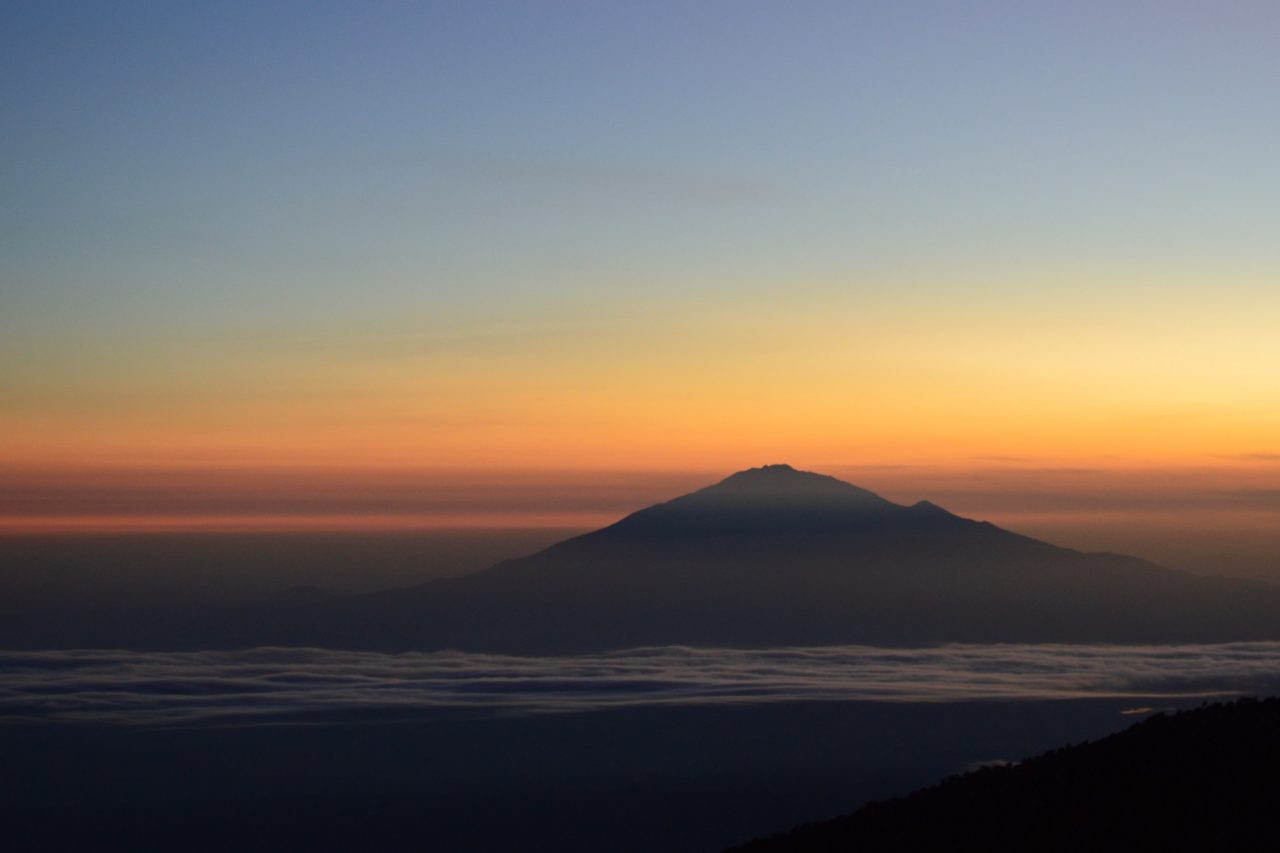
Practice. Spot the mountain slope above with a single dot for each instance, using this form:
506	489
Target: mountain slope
1198	780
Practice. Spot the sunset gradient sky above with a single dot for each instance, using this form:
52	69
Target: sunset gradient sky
589	253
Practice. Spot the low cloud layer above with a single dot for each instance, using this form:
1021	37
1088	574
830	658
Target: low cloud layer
270	683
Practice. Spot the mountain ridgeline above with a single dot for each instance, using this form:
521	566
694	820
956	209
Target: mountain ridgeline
770	556
1198	780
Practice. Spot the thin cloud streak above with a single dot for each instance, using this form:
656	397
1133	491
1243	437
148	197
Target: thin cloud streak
355	498
264	684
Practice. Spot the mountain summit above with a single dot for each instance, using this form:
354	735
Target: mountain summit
772	500
785	479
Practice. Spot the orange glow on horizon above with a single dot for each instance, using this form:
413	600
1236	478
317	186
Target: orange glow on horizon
1138	372
300	498
60	525
1128	377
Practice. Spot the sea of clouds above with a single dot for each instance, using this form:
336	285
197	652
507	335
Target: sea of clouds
201	687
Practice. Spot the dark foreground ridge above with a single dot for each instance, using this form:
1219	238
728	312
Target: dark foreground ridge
1203	779
770	556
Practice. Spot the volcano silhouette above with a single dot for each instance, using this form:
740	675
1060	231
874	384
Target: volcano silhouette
768	557
773	556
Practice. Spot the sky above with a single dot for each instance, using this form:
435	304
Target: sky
252	250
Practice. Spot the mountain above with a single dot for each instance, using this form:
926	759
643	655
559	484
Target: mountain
770	556
774	556
1202	779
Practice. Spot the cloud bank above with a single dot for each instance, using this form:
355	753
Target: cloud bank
207	687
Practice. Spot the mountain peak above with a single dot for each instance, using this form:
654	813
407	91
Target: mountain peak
783	481
778	473
765	473
775	498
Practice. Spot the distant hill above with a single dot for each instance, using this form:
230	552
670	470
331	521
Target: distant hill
1200	780
770	556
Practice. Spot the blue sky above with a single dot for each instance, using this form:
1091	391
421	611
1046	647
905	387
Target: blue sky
206	163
